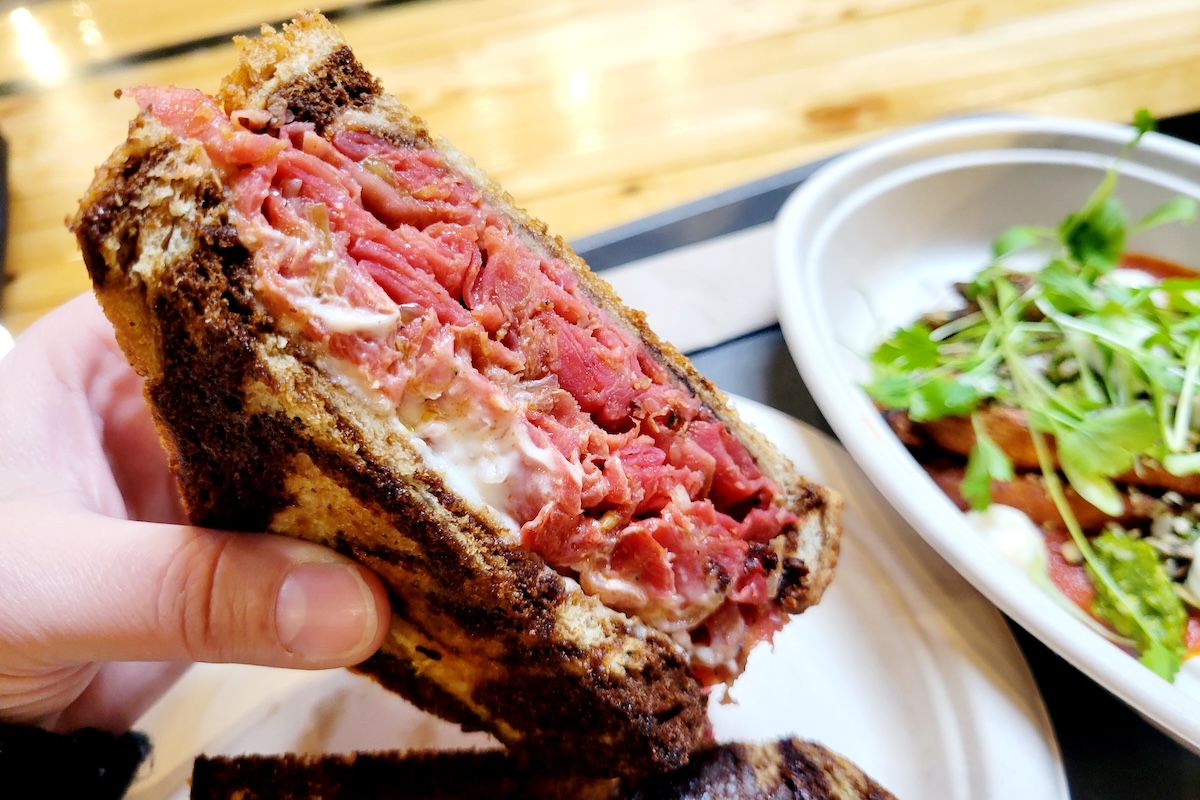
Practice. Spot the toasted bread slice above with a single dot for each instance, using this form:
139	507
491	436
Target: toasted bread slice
265	432
787	768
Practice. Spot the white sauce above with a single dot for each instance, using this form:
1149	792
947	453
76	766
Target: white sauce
480	462
1012	534
341	317
462	481
1192	583
487	464
351	378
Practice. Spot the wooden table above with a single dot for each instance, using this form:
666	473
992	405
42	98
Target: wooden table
590	113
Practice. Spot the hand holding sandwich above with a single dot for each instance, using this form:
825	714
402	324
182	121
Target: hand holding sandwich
105	595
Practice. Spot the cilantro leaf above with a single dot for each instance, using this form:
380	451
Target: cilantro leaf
1095	236
1103	444
1066	289
1110	439
940	396
908	348
1020	237
1144	122
986	463
1162	660
1147	609
892	389
1181	294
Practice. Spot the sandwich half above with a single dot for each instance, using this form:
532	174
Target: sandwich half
349	334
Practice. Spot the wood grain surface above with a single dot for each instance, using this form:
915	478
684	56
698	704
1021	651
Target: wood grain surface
591	113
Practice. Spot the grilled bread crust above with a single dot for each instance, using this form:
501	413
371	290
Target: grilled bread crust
779	770
483	633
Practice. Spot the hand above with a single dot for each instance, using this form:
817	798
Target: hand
105	593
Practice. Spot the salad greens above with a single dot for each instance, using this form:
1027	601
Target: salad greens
1105	372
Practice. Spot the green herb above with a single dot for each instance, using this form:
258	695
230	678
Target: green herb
987	463
1102	444
1186	464
1104	372
1177	209
1146	609
942	396
1144	122
1021	237
908	348
1095	236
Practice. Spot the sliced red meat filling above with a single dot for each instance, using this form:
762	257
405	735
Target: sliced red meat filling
539	404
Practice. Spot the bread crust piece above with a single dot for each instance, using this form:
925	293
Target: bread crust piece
483	633
787	768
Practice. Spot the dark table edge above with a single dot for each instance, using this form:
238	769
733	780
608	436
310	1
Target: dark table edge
739	208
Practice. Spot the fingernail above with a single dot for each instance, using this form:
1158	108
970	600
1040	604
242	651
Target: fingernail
325	612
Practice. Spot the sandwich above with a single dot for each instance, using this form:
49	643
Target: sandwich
785	768
349	334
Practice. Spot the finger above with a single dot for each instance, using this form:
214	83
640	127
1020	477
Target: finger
37	698
118	695
113	392
130	442
90	588
84	429
111	697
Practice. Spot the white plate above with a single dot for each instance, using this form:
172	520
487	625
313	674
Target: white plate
879	235
903	667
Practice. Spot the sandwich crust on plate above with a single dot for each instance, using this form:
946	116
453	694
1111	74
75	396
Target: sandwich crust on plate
785	769
349	334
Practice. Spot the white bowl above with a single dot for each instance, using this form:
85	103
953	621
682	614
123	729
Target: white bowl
880	235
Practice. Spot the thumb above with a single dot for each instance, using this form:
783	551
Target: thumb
91	588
